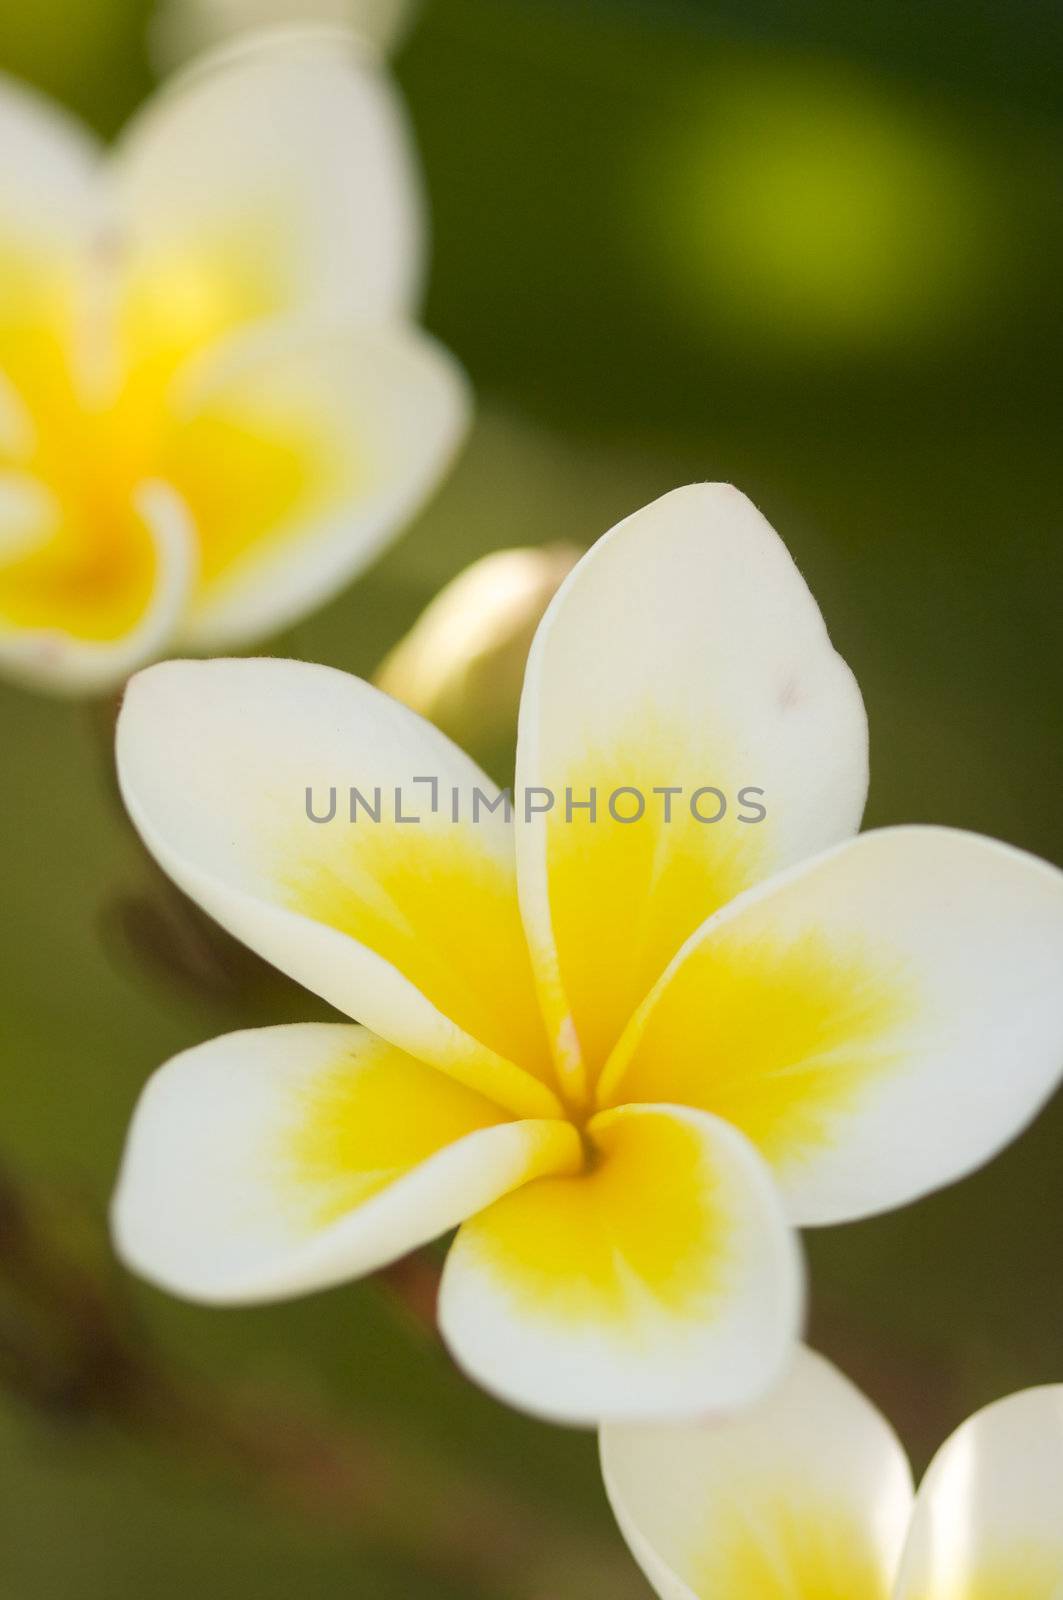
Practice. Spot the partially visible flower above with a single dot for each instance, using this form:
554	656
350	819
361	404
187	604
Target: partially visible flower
214	408
627	1050
810	1494
181	28
462	663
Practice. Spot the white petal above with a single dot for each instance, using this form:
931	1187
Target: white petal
48	188
272	1162
660	1282
301	450
684	651
63	656
988	1521
51	206
412	928
879	1021
806	1494
279	177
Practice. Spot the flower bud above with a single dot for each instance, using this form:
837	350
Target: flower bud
462	663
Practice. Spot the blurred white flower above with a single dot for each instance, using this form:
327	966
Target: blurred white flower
810	1494
214	405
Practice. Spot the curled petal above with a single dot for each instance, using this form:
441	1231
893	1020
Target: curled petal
662	1281
272	1162
78	618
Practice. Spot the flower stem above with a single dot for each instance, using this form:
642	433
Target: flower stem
73	1348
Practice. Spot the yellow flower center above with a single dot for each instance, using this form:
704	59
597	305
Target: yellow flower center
93	406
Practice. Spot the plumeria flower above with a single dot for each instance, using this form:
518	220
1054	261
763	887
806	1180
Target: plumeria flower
625	1058
810	1494
214	408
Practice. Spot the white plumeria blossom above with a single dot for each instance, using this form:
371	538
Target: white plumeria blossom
625	1059
809	1494
215	407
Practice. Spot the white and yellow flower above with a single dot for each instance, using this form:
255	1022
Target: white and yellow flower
214	408
625	1059
810	1494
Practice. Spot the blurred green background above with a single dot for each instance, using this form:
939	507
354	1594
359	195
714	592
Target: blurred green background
815	250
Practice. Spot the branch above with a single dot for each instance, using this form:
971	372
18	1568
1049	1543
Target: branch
72	1345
